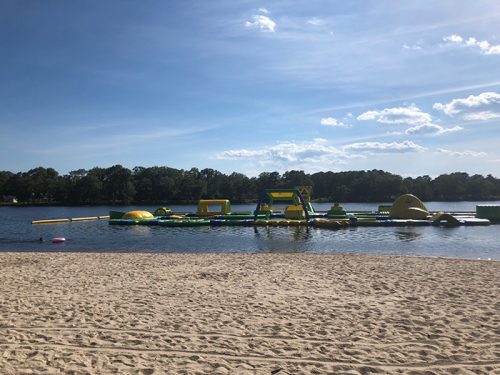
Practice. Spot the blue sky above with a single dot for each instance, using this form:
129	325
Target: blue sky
411	87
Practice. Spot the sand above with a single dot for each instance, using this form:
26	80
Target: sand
109	313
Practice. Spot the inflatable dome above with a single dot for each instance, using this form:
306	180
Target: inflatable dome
131	215
408	206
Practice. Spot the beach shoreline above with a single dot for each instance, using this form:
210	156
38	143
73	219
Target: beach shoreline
235	313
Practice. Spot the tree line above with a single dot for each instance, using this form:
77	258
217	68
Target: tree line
120	185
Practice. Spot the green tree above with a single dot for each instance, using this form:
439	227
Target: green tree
118	186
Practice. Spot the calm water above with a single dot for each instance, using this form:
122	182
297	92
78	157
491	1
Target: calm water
17	233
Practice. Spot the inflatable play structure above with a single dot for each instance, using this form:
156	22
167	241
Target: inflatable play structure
297	207
292	207
408	206
205	207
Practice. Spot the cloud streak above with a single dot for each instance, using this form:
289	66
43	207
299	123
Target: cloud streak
383	147
410	115
432	129
464	153
112	143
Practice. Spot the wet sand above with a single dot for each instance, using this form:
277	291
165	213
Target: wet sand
98	313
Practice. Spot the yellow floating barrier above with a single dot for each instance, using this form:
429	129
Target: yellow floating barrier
85	218
50	221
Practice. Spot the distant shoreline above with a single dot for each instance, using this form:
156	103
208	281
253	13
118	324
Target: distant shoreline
189	202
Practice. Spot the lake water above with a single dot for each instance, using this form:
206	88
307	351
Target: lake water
18	234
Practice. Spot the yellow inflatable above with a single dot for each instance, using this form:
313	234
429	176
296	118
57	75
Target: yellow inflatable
134	215
205	207
408	206
162	211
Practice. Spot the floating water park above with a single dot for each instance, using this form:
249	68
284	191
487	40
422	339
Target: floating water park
293	207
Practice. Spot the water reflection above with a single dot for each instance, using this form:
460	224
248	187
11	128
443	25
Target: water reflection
141	230
450	232
17	233
300	233
283	239
407	235
20	241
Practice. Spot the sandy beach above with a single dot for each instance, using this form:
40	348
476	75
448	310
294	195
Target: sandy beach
98	313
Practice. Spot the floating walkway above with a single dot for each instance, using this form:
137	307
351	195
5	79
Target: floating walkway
316	223
406	211
296	210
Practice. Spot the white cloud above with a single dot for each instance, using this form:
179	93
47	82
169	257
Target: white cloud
262	22
453	38
431	129
315	21
242	154
416	47
495	50
420	122
317	154
461	153
381	147
330	121
485	106
394	133
484	46
410	115
471	42
314	151
264	10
